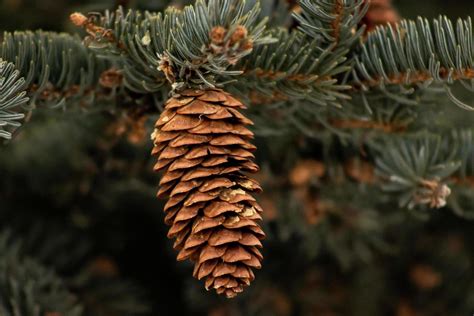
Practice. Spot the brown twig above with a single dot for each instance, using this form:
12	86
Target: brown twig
277	95
467	181
111	78
54	93
360	124
412	78
274	75
257	98
364	172
336	23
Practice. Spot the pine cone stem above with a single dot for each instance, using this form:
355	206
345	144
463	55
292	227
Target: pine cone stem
204	149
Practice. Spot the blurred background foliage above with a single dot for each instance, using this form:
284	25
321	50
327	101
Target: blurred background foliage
78	191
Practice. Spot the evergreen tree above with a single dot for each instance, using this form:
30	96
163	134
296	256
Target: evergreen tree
355	123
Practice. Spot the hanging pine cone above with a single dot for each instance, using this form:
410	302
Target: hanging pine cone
203	147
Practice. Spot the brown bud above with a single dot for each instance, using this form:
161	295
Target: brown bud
269	205
360	171
167	68
111	78
217	34
239	34
405	309
306	170
425	277
103	266
78	19
247	45
138	132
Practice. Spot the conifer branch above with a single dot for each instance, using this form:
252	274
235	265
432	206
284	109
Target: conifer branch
418	169
307	64
28	288
196	45
12	97
353	121
416	54
291	64
330	221
52	70
333	23
294	67
54	245
421	172
56	66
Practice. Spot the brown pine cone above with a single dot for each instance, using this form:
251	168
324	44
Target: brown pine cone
380	12
203	147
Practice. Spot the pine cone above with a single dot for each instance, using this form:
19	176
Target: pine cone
203	147
380	12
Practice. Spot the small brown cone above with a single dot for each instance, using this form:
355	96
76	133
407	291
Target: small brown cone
204	149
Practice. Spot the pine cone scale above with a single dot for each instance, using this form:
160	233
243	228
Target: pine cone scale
203	148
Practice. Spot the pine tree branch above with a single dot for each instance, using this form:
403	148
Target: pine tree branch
189	47
63	247
332	23
307	64
52	70
28	288
294	67
418	168
419	77
325	218
354	121
56	66
419	171
12	97
416	54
